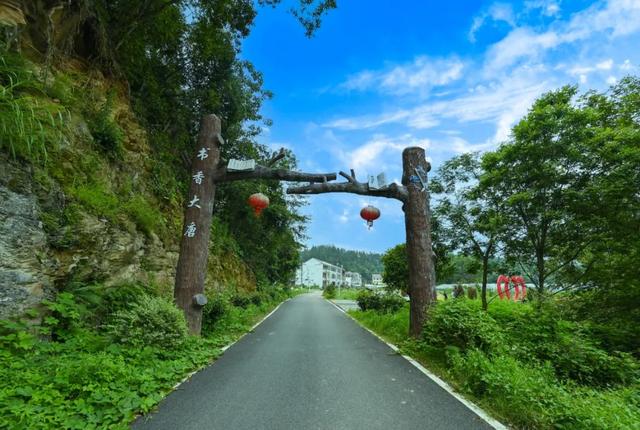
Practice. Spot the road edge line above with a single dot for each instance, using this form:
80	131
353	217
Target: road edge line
226	347
440	382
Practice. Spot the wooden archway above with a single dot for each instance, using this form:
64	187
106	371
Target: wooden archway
208	171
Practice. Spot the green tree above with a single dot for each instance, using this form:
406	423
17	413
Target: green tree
608	272
472	221
396	269
539	179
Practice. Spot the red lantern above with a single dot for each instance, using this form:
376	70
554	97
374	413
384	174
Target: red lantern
370	214
258	202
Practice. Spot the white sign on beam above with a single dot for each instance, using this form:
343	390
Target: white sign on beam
241	165
377	182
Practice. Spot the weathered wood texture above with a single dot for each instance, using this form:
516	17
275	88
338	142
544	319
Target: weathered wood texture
194	247
393	191
262	172
422	288
194	250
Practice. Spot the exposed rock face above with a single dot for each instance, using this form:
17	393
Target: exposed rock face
33	265
31	269
25	263
88	216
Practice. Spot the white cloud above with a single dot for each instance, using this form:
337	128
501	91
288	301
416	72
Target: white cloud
378	154
461	146
626	65
614	18
548	7
498	12
344	217
520	43
367	121
585	70
605	65
419	76
611	80
501	102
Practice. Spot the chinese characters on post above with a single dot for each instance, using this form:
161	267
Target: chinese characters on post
191	230
197	178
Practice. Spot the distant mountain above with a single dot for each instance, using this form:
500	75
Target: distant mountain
361	262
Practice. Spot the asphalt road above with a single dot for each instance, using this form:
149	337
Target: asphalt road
309	366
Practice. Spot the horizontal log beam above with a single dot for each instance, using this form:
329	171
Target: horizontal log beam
393	191
262	172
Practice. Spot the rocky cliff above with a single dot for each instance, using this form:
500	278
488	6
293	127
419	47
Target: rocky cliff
88	203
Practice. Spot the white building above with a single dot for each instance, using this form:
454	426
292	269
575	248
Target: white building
376	280
353	280
318	273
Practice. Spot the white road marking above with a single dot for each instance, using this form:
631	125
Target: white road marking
473	407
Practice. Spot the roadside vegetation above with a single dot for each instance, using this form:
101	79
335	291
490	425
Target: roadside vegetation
529	367
347	294
557	203
102	354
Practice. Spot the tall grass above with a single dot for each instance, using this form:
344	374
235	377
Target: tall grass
29	123
394	327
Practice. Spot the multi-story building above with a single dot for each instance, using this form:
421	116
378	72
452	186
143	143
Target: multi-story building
353	280
376	280
318	273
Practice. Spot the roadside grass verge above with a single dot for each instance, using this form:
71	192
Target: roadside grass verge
347	294
103	355
526	366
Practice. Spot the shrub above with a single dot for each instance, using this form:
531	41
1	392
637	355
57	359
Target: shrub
543	335
458	291
152	322
463	324
214	311
525	394
386	303
240	300
105	131
256	298
329	291
531	397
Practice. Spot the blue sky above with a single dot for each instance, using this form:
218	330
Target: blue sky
448	76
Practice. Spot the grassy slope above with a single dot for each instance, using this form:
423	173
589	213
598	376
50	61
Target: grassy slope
522	394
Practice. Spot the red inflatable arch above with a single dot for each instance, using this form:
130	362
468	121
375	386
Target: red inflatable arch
503	287
520	287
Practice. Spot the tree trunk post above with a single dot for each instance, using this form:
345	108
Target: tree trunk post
194	245
485	275
422	290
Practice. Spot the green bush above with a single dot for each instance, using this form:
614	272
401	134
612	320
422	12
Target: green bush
384	303
463	324
106	133
392	326
329	291
240	300
215	309
152	322
530	396
543	335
